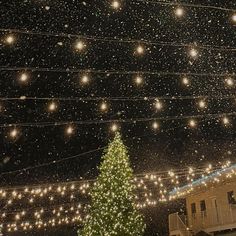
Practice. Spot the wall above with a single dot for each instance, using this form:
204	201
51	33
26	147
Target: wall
224	215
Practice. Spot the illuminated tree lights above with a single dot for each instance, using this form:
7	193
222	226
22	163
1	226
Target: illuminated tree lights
113	210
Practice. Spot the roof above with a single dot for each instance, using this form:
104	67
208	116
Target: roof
217	177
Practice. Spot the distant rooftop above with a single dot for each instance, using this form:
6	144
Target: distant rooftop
215	177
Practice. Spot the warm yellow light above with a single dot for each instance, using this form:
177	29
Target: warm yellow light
234	17
24	77
193	52
115	4
225	120
14	133
158	104
202	104
52	106
229	82
140	49
138	80
155	125
185	81
79	46
192	123
114	127
85	79
179	11
70	130
10	39
103	106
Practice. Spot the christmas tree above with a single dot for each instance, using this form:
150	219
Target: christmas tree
113	211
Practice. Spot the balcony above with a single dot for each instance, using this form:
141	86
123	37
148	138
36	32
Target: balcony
178	225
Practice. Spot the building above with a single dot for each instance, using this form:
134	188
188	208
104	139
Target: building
210	206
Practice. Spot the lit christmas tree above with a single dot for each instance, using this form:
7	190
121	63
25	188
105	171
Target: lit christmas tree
113	211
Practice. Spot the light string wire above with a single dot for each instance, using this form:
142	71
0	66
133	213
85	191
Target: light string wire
168	3
136	98
119	40
115	72
131	120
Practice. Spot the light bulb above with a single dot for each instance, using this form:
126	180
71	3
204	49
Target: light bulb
225	120
202	104
140	49
192	123
103	106
234	18
10	39
52	106
193	52
179	11
229	82
14	133
138	80
79	46
155	125
185	81
114	127
85	79
115	4
158	104
70	130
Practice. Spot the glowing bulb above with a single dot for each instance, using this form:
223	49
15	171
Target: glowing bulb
155	125
10	39
225	120
138	80
193	52
115	4
140	49
14	133
103	106
69	130
202	104
229	81
80	45
185	81
114	127
179	11
234	17
52	106
23	77
85	79
158	105
192	123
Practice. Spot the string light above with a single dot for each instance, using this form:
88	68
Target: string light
114	127
115	4
193	52
158	104
70	130
229	82
234	18
185	81
79	46
14	133
140	50
103	106
155	125
138	80
24	77
225	121
179	11
52	107
85	79
10	39
192	123
202	104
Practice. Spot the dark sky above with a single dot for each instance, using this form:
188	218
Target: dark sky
174	145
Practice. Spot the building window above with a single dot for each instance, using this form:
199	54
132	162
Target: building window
203	208
193	210
231	199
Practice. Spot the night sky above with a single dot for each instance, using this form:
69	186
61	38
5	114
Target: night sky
54	70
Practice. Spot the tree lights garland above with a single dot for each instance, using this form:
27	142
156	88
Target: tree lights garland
71	210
